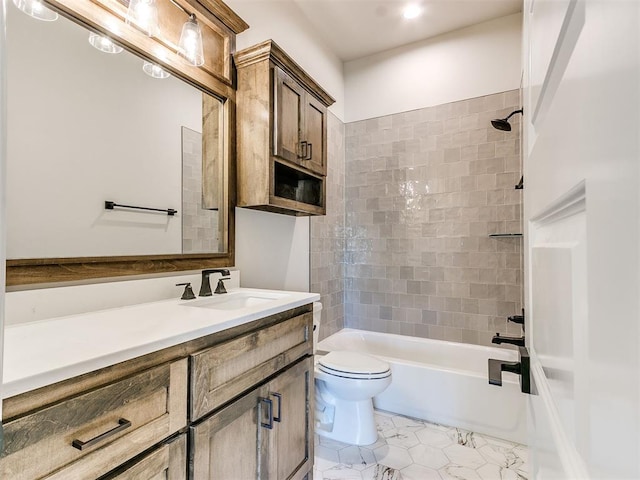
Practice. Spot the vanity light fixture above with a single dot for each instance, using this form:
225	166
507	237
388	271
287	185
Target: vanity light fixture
411	11
104	44
143	14
190	44
35	9
154	70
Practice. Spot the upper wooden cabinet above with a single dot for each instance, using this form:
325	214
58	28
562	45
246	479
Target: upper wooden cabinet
300	125
281	133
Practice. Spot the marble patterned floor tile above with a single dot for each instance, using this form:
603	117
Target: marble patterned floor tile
412	449
464	456
358	458
402	437
393	456
428	456
381	472
434	438
456	472
418	472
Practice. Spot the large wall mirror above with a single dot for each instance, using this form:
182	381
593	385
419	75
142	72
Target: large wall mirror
88	129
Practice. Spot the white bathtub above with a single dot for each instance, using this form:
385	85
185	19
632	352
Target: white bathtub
442	382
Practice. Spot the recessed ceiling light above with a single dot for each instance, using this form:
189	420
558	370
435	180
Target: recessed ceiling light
412	11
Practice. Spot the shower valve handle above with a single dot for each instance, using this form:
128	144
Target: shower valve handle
519	319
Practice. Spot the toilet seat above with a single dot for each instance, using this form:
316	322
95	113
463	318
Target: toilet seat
353	365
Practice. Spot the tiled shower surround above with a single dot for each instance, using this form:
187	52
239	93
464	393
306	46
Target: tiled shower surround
327	236
412	198
423	191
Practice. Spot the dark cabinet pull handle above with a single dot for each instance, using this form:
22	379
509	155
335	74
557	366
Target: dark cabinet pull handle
269	403
123	424
303	149
278	418
309	156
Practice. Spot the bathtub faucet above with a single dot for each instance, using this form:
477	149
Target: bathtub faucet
518	341
522	368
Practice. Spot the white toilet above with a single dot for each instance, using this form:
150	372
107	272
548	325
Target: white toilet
346	383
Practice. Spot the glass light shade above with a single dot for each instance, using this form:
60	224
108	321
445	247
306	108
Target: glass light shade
143	14
35	9
155	71
190	44
104	44
412	11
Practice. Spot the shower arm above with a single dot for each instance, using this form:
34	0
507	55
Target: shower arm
513	113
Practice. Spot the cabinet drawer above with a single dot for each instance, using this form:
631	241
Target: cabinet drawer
223	372
88	435
169	462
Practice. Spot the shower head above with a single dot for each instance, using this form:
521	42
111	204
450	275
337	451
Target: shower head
503	123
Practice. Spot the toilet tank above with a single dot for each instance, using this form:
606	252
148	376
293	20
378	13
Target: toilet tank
317	316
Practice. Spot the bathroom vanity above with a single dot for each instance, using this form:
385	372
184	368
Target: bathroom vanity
219	387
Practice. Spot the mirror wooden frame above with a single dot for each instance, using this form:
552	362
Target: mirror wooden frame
220	26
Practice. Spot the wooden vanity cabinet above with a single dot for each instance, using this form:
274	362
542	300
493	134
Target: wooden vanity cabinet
89	434
281	133
290	441
266	434
166	462
220	373
191	411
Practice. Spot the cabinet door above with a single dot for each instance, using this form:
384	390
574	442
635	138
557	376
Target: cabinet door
169	462
291	440
227	444
315	136
288	117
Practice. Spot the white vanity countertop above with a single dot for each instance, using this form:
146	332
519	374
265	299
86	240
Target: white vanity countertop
41	353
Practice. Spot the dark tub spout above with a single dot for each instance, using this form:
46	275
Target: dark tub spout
517	341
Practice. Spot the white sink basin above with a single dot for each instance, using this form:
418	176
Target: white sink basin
236	301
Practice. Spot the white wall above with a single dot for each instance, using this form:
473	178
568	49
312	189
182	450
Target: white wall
284	23
479	60
74	143
272	251
3	184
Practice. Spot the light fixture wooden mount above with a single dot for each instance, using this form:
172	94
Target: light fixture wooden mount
219	27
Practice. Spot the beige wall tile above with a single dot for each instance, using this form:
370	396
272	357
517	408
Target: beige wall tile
422	191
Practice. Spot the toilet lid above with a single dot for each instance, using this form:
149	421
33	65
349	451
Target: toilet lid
353	364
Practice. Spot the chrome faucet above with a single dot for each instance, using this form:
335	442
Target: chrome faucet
205	286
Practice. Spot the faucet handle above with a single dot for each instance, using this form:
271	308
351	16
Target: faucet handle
522	368
188	291
220	287
519	319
